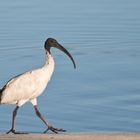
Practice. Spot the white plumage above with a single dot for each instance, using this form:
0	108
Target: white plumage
28	86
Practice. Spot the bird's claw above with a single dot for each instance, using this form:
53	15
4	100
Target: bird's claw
15	132
55	130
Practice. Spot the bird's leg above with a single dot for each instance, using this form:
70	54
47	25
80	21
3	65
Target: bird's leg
50	127
13	120
12	130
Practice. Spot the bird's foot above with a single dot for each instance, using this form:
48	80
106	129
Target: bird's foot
15	132
55	130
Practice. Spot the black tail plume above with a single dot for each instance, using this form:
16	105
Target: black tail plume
0	95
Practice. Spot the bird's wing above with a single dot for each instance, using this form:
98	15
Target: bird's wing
20	87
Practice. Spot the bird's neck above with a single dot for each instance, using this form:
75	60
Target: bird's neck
49	61
48	68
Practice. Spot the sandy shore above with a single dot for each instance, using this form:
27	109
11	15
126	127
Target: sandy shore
71	137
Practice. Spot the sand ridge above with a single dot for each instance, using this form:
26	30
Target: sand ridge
70	137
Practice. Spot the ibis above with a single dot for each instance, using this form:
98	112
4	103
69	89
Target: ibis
28	86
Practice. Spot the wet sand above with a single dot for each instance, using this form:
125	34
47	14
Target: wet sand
71	137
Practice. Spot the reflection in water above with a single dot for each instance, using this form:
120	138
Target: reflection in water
102	94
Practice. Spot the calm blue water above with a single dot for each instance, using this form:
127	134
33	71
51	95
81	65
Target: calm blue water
103	94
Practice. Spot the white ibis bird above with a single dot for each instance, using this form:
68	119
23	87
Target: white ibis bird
28	86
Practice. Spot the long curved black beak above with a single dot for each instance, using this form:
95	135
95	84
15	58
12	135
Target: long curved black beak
60	47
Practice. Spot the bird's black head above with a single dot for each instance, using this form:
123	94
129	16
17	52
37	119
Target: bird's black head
50	42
